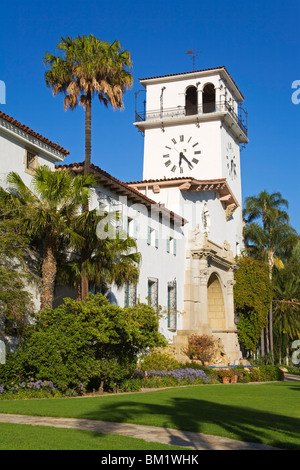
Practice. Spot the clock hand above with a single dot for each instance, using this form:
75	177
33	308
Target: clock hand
182	156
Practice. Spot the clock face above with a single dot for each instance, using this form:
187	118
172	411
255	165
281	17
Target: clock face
181	154
231	164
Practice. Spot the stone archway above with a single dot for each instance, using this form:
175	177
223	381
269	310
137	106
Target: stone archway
215	304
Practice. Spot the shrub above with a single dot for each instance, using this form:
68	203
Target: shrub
158	361
270	373
201	347
186	376
256	375
224	373
30	389
85	342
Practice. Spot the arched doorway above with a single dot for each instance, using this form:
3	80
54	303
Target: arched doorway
191	101
215	301
209	98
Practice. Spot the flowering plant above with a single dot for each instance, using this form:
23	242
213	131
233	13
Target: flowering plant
225	373
183	376
201	347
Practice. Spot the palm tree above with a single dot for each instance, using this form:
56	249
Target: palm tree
48	214
88	67
266	207
100	261
287	308
273	239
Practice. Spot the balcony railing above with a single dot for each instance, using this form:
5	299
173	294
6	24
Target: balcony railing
173	113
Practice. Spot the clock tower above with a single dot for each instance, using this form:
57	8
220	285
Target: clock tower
194	127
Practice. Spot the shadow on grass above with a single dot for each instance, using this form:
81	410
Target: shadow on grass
203	416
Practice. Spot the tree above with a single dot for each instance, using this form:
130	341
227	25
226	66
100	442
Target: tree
88	67
101	260
15	272
272	239
266	206
286	284
48	214
252	297
87	342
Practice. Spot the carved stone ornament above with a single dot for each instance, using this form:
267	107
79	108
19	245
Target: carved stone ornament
204	275
227	253
229	211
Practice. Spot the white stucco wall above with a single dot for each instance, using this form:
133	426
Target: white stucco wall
13	145
157	262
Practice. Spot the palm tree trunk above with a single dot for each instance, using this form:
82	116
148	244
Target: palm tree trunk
271	265
49	268
88	132
84	284
84	287
87	169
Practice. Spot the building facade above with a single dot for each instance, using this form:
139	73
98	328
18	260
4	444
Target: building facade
185	213
194	126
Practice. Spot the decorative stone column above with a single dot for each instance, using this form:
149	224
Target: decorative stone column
230	300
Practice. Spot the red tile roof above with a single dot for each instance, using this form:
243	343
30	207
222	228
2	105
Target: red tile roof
108	180
31	132
177	178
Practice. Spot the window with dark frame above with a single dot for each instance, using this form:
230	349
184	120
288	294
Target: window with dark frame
31	161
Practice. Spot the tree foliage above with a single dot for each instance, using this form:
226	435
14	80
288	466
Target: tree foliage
87	342
16	271
48	213
252	297
88	66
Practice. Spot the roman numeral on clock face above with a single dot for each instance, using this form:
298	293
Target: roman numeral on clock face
168	163
195	160
197	152
173	168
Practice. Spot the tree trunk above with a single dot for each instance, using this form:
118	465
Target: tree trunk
84	282
88	132
49	267
271	266
87	169
84	287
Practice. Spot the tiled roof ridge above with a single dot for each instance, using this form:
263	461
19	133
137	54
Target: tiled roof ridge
193	72
185	73
135	191
27	129
178	178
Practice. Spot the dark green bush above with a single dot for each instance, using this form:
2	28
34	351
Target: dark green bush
270	373
81	344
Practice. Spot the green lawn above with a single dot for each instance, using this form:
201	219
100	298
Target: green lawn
27	437
266	413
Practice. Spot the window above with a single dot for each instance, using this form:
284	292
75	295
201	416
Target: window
153	293
31	162
209	98
152	237
172	306
191	101
130	295
171	245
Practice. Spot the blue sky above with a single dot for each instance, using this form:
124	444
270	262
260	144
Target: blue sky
257	41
